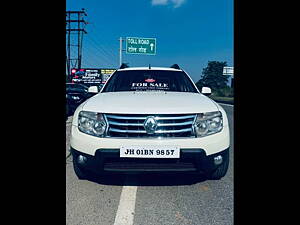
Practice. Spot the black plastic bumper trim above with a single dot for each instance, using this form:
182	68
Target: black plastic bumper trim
108	160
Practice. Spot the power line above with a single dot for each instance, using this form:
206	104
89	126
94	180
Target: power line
106	49
99	38
97	47
100	50
93	59
95	56
98	53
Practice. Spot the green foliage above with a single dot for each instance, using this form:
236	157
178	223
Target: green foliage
224	92
199	84
212	76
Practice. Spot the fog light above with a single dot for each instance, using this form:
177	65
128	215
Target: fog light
218	160
81	159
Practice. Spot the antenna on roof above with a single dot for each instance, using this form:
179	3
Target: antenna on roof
124	65
175	66
149	66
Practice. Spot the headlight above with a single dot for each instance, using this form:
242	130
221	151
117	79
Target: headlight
208	123
91	123
75	97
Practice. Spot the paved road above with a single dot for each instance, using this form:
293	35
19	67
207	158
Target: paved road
155	200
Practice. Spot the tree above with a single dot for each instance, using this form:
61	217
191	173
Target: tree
212	76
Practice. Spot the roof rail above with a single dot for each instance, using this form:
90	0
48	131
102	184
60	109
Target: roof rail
124	65
175	66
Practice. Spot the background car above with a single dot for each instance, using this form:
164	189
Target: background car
75	95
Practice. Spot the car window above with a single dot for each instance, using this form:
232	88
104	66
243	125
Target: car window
76	87
150	80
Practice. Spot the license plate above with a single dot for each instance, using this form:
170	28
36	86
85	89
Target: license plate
149	152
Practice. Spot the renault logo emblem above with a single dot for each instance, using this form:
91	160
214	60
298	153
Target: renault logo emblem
150	125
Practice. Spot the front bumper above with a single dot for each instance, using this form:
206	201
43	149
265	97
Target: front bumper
109	161
89	144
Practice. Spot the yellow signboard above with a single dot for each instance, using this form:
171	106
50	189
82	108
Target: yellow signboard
107	71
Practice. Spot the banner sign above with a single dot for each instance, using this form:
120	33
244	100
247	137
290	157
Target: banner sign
91	76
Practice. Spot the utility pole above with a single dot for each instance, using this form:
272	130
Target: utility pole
121	50
79	30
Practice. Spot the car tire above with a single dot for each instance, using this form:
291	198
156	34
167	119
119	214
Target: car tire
222	169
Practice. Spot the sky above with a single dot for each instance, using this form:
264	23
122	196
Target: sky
188	32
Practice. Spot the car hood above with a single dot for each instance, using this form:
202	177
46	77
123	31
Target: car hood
149	102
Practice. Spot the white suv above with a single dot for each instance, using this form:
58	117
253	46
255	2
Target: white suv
150	119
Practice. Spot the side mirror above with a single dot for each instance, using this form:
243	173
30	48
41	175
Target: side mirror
93	89
206	91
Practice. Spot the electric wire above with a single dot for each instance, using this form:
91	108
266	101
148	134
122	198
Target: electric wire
111	52
96	46
98	53
93	58
101	49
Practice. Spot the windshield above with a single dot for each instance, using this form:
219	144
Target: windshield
150	80
76	87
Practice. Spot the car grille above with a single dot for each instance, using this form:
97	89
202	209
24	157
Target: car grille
132	125
149	165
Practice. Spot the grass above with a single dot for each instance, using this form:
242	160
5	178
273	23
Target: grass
228	100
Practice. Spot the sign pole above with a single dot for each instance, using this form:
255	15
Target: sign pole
120	51
229	71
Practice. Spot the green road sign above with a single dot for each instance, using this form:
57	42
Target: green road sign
135	45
